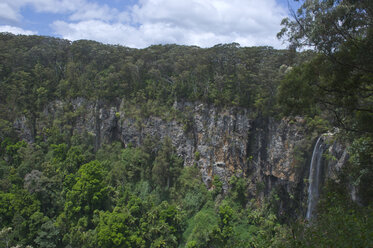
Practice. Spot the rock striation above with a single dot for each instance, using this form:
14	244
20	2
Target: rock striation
222	142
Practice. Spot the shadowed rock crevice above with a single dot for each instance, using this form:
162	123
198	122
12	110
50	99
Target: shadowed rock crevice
221	142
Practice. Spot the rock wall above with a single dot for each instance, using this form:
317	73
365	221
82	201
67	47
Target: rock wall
220	141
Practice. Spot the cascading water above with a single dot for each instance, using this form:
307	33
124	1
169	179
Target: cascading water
315	176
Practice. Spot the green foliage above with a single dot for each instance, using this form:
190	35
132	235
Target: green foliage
238	190
15	211
163	226
197	155
224	232
12	152
334	88
190	192
264	228
75	157
79	209
60	151
361	171
199	230
116	229
42	231
63	190
89	192
218	185
338	80
136	164
154	77
167	166
340	223
295	94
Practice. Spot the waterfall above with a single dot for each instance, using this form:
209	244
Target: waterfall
315	177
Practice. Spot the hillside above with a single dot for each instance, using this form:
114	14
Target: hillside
173	146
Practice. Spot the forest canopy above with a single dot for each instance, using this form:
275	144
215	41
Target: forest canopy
59	189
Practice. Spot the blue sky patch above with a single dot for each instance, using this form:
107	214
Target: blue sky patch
145	22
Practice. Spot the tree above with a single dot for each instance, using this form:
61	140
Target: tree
135	162
238	190
163	226
117	229
223	234
43	231
338	81
89	192
340	77
200	228
327	25
167	165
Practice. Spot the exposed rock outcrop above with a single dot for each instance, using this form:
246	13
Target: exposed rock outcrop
221	141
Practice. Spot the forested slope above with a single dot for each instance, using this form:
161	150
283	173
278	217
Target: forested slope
63	188
178	146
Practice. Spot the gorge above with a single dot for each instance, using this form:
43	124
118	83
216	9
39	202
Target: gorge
175	146
271	155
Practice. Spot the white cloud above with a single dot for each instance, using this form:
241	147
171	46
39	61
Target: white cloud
94	12
8	12
15	30
100	31
78	10
191	22
13	7
57	6
50	6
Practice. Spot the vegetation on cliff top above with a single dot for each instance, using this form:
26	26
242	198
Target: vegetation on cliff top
58	191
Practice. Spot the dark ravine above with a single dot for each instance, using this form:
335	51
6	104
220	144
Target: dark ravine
222	142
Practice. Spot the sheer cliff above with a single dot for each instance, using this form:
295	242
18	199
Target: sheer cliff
272	155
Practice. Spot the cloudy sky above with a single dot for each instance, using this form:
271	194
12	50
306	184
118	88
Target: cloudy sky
140	23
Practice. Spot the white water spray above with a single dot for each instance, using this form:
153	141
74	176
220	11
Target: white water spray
315	177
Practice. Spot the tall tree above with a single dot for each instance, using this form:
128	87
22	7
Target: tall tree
340	77
167	165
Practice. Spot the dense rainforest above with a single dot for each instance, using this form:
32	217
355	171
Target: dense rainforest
61	185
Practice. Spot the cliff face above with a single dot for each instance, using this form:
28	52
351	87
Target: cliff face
222	142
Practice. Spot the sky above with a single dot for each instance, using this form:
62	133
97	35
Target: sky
141	23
